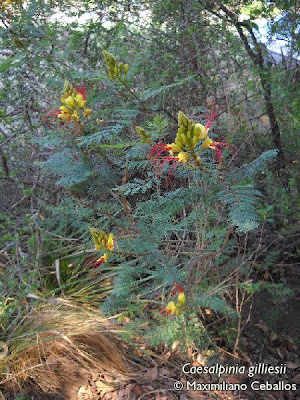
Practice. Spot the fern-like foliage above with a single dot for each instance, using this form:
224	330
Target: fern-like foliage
136	186
242	202
241	197
126	282
70	167
186	330
213	303
248	171
150	93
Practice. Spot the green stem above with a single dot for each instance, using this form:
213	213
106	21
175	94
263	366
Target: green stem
197	161
134	95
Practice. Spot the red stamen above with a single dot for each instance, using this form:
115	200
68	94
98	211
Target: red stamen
217	147
52	113
177	289
163	161
211	119
98	263
211	114
158	163
171	171
158	149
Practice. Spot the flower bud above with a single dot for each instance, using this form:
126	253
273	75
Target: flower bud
182	119
109	58
64	116
178	142
184	139
195	140
204	134
116	71
67	87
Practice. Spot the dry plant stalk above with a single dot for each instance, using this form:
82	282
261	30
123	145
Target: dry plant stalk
55	348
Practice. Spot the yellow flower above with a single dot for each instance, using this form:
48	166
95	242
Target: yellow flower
64	116
70	101
174	147
102	240
75	116
171	308
79	100
183	157
104	258
64	109
181	299
110	242
97	238
87	112
201	131
207	143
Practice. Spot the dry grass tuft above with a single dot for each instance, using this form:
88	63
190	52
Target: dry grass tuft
55	347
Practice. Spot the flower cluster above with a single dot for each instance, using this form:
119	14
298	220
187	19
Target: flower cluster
73	107
190	137
160	153
102	241
116	70
74	104
179	307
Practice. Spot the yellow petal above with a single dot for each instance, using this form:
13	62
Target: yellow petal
207	143
201	131
181	298
64	116
183	157
110	242
104	258
64	109
75	116
87	112
204	134
70	101
79	100
171	307
174	147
